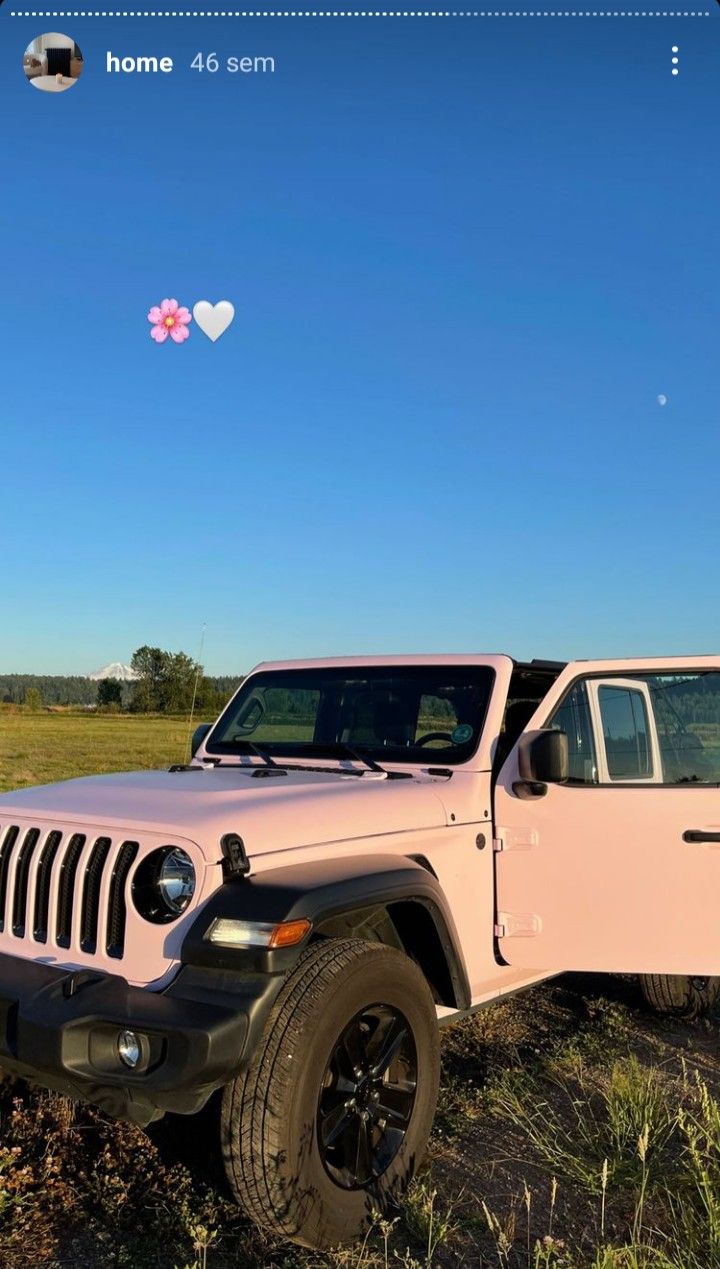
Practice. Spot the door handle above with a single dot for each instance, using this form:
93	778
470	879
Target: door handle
700	835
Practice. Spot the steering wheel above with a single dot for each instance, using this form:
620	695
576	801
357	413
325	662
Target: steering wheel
435	735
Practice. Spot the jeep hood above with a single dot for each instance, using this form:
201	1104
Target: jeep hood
270	813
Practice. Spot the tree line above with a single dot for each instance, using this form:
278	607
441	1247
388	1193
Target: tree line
692	700
166	684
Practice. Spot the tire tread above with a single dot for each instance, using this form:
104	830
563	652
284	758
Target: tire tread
675	994
254	1108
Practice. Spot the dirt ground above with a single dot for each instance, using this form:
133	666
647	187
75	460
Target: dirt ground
513	1177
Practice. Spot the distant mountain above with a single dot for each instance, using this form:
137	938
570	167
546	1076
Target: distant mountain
116	670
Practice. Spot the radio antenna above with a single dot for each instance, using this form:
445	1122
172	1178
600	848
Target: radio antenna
198	672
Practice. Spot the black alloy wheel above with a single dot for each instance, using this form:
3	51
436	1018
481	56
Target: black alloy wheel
367	1096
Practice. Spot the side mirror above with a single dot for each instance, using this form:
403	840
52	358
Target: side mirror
198	736
543	758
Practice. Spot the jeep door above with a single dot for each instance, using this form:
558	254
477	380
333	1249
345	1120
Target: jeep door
617	868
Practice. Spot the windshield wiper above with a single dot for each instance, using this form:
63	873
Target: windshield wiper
337	749
257	750
344	750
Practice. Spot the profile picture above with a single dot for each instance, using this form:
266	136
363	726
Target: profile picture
52	62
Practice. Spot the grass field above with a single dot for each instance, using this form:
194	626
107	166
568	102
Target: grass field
574	1130
40	748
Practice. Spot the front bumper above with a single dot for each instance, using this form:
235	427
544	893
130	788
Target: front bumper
60	1028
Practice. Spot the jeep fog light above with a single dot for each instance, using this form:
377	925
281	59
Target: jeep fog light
227	932
129	1048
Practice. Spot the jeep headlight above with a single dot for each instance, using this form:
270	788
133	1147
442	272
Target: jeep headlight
164	884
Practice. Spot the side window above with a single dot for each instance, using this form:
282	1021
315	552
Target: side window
687	716
648	728
573	717
626	733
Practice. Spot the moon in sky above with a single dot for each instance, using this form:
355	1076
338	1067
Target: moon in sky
662	399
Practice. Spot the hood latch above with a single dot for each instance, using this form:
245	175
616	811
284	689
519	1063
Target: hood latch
235	862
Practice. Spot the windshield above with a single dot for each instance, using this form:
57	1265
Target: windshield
416	714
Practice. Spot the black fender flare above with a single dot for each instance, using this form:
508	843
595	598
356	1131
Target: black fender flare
319	890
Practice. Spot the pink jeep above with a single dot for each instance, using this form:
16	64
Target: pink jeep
360	849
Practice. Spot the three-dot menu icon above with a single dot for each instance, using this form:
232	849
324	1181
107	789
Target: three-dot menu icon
675	59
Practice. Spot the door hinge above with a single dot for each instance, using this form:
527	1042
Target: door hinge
515	839
520	925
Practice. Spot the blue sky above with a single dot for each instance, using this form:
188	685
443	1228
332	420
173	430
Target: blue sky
465	257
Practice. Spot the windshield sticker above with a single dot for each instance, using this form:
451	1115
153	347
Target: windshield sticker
462	733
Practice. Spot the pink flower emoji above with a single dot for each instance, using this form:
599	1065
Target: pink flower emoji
169	319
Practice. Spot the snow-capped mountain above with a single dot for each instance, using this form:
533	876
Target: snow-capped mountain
116	670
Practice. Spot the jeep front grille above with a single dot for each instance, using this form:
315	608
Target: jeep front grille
55	870
117	914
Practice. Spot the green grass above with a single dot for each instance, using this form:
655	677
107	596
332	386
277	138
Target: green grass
574	1130
43	747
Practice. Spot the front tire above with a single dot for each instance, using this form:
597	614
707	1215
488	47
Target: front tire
332	1119
680	995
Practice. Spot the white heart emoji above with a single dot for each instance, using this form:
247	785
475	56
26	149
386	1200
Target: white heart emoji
213	319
